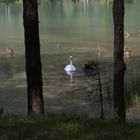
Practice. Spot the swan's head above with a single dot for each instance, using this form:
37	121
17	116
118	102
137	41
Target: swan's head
70	57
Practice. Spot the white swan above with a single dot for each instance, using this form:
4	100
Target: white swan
70	67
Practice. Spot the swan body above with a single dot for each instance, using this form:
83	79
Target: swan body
70	67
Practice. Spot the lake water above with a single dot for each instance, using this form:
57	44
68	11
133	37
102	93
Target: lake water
66	29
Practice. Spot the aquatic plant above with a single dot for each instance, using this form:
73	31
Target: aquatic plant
132	90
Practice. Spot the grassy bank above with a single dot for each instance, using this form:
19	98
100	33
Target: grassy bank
62	127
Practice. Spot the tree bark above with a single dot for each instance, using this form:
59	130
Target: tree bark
33	60
119	65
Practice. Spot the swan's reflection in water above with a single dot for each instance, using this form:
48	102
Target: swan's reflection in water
70	74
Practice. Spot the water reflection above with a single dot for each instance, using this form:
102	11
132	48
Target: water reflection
70	74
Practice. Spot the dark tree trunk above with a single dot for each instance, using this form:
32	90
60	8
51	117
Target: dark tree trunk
119	65
33	60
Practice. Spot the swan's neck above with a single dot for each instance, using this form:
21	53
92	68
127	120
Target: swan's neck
70	61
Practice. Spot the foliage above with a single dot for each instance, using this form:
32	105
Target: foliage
8	1
64	127
132	90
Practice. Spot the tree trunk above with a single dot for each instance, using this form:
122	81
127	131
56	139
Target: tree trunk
119	65
33	60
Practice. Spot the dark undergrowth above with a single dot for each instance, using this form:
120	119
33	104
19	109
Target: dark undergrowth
65	127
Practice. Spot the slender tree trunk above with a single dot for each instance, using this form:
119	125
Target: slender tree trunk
33	60
119	65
